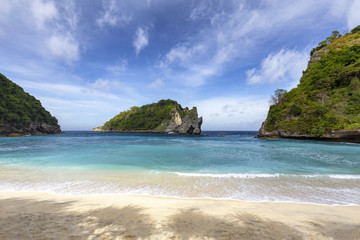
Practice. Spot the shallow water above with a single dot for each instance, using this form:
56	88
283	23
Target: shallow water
234	166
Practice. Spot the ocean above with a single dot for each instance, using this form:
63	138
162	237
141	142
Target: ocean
216	165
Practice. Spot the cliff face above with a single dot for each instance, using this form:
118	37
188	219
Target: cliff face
326	103
21	113
189	124
164	116
34	128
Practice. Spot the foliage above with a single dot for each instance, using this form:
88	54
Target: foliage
20	109
277	97
356	29
147	117
328	96
322	44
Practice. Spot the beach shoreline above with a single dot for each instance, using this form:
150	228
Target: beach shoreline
37	215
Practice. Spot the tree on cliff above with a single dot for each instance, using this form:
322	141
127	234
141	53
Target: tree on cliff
277	97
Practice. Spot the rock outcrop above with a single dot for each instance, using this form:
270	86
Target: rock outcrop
335	135
33	129
165	116
189	124
22	114
326	103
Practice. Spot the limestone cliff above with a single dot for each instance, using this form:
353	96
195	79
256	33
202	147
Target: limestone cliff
21	113
165	116
326	103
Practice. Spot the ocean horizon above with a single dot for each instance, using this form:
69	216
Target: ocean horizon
216	164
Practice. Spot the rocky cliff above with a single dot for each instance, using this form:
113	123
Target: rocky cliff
326	103
165	116
21	113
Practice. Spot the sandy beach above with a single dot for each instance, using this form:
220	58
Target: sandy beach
34	215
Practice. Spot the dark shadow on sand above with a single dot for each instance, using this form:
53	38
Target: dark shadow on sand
337	230
34	219
193	223
52	220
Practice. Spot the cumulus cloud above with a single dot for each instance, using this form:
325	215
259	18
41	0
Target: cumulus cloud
113	15
233	113
43	12
141	39
42	29
282	66
156	84
64	47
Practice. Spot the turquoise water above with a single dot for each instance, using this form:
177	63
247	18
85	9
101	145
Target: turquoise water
234	166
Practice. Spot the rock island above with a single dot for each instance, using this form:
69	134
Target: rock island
165	116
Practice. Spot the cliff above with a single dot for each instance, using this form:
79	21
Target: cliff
326	103
164	116
21	113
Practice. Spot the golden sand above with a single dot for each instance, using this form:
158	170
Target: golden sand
46	216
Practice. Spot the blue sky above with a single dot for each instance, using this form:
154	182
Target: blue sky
86	61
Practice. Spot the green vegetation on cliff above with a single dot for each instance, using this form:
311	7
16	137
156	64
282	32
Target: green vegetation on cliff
146	117
328	96
19	109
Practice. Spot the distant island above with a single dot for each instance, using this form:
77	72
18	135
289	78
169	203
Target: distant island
22	114
326	103
165	116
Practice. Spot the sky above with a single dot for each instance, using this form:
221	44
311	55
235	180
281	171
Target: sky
87	61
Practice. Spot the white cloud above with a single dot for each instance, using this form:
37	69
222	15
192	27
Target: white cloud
113	15
141	39
41	28
71	14
182	54
233	113
103	84
107	85
200	11
119	67
234	31
156	84
43	12
193	70
79	107
282	66
64	47
354	14
71	91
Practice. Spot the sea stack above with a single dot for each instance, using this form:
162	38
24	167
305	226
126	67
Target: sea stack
22	114
165	116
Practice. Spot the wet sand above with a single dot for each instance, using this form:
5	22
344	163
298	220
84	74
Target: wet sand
34	215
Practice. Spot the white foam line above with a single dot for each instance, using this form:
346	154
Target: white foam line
179	197
225	175
264	175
